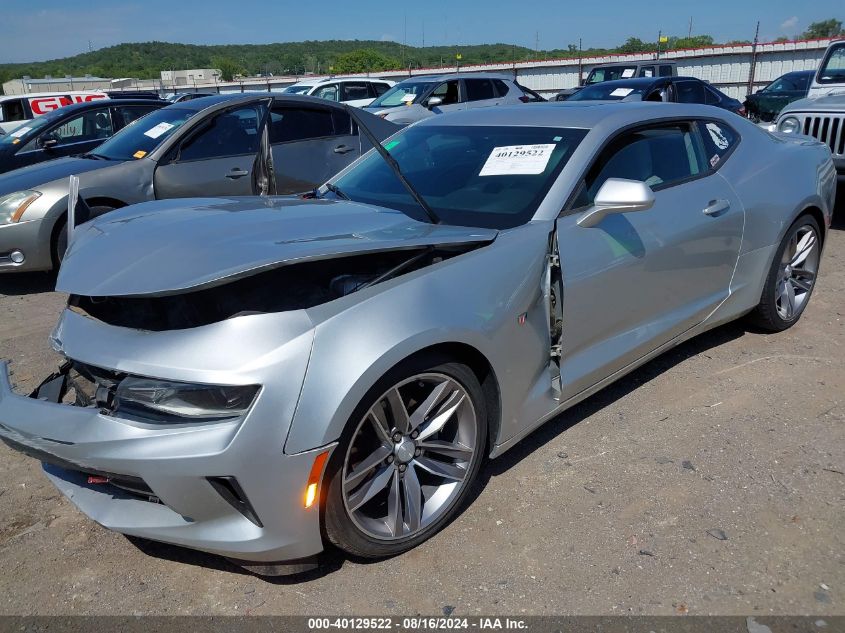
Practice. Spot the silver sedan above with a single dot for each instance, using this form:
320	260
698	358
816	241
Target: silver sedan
260	378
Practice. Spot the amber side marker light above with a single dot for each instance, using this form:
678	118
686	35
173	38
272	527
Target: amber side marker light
314	479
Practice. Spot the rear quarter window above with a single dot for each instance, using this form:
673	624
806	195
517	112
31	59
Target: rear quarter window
719	141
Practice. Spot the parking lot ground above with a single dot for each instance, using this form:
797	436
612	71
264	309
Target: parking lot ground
710	481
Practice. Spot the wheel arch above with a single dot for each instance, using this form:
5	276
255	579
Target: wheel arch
60	219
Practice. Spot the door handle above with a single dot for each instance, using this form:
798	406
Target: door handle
237	173
342	149
715	207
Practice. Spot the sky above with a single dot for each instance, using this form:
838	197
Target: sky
35	30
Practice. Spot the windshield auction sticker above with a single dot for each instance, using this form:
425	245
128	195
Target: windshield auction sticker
158	130
517	159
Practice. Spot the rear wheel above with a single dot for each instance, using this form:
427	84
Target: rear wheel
792	277
406	463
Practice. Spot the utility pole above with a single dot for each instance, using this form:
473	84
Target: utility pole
580	61
753	60
659	36
404	37
537	44
689	30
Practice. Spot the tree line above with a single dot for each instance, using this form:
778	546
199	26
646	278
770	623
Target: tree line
147	59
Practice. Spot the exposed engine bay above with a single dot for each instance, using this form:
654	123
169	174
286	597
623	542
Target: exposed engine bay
290	287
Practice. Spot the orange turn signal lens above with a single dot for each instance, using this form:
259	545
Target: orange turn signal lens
312	489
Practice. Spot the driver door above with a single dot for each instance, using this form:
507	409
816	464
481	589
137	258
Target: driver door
219	158
636	280
452	93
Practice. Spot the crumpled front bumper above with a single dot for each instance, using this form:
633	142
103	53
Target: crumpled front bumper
184	508
174	464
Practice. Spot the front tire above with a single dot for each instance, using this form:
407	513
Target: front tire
792	277
60	241
408	458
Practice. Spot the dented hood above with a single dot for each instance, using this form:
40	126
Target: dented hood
169	246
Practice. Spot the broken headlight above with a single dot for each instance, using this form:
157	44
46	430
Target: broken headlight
169	401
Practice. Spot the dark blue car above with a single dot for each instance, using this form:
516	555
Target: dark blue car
74	129
671	89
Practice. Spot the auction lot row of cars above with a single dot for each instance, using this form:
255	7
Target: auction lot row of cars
294	324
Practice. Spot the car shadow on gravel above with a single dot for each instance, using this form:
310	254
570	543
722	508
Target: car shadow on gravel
12	284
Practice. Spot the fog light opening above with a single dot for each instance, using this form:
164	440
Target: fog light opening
17	257
312	489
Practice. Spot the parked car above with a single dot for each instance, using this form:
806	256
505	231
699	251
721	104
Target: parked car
250	376
830	76
418	98
74	129
178	97
15	110
204	147
822	114
668	89
133	94
765	104
614	71
354	91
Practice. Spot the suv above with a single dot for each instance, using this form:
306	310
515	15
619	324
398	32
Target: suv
421	97
623	70
353	91
822	114
765	104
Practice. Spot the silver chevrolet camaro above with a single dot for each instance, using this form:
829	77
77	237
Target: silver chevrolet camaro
260	377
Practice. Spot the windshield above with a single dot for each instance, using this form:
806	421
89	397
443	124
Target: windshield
612	92
297	90
788	83
143	135
611	73
832	70
401	94
484	176
25	130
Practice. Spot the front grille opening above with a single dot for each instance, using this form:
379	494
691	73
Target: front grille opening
290	287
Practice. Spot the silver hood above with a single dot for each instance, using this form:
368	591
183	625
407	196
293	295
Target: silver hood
169	246
34	176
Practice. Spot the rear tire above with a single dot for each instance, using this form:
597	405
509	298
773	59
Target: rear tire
423	474
792	277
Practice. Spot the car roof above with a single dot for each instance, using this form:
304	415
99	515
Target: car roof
797	72
575	114
203	103
444	77
101	103
328	80
29	95
644	62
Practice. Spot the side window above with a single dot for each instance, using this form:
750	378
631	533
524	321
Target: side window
448	91
13	110
501	87
342	123
329	91
353	90
90	126
711	97
380	88
125	115
658	156
479	89
719	140
647	71
689	92
299	124
665	71
232	133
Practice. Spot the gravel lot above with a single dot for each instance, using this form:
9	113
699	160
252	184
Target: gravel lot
709	481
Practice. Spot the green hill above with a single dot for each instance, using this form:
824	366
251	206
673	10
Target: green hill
145	60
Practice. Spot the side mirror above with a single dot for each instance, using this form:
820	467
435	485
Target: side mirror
618	195
46	142
583	82
433	102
